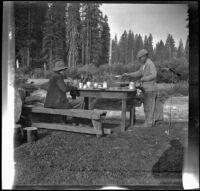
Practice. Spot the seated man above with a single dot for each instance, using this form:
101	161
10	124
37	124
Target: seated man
56	93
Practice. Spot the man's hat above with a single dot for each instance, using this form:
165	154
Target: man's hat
141	53
59	65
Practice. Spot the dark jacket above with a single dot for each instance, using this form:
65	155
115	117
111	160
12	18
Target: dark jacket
56	93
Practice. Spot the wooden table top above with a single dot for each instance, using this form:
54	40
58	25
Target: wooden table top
108	89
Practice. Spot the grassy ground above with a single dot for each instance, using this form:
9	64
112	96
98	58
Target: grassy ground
135	157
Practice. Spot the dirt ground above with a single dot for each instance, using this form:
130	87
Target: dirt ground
134	157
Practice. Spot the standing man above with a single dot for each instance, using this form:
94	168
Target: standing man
56	94
147	74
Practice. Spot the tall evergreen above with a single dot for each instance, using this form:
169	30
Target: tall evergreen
138	43
53	44
169	47
105	40
73	34
150	46
187	49
92	19
180	51
146	43
29	19
123	47
130	47
114	49
160	51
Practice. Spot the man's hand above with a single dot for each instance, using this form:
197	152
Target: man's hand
125	75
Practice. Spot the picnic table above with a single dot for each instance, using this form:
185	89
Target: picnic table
113	93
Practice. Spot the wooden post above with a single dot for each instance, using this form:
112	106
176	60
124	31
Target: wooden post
123	122
31	134
86	100
132	116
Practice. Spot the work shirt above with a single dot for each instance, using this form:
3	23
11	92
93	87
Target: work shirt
56	93
148	73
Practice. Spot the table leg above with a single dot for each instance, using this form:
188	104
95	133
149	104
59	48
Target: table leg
86	100
123	117
132	116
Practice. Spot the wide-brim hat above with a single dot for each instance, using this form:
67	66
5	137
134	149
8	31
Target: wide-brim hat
141	53
59	65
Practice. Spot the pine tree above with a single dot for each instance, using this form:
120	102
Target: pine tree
53	44
105	40
169	47
114	54
92	20
146	43
180	51
150	46
187	49
73	34
29	17
47	42
160	51
138	44
130	47
123	47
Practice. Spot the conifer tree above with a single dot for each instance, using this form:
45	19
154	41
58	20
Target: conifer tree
146	43
73	34
105	40
187	49
150	46
53	43
130	47
180	51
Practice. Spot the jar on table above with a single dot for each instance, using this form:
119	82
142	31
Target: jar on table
105	85
80	85
95	85
89	84
132	85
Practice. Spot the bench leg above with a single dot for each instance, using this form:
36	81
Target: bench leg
98	127
31	134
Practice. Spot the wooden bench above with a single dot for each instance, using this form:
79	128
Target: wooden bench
94	116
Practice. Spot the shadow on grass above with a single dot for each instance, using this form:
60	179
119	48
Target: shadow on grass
168	169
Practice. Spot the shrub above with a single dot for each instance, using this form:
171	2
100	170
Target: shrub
180	65
180	88
21	76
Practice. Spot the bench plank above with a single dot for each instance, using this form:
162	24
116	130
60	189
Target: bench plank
70	128
70	112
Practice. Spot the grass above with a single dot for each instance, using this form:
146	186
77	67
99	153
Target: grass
134	157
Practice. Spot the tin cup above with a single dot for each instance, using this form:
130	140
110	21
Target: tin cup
132	85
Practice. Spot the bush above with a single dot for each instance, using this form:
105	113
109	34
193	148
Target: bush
180	65
106	72
21	76
180	88
48	74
